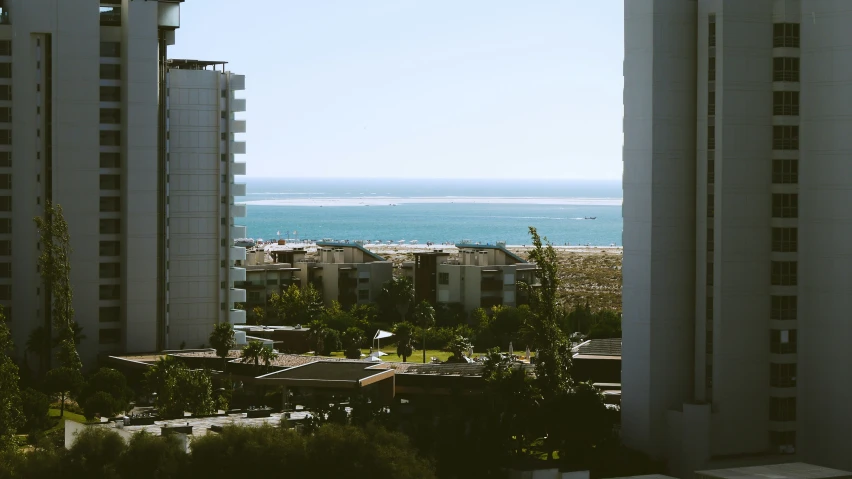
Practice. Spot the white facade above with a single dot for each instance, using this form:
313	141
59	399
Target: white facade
737	250
82	81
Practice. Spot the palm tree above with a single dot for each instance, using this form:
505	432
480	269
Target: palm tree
316	334
267	355
403	331
399	292
424	314
253	352
222	340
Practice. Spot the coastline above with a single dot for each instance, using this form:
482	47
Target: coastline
374	200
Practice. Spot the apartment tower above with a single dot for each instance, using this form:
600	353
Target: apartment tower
84	106
737	136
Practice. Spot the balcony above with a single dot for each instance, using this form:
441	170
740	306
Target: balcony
238	148
238	168
238	295
238	189
237	253
238	211
237	316
237	274
4	18
238	82
347	283
491	284
238	126
238	231
110	16
238	104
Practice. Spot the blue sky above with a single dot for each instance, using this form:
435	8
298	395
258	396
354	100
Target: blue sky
421	88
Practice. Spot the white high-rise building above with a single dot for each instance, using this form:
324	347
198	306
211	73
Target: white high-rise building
737	251
85	108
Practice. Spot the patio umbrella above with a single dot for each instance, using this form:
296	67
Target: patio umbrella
527	353
510	349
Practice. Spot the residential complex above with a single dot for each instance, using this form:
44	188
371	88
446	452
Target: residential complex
482	276
736	235
139	152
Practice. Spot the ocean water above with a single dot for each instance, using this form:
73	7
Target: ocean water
436	210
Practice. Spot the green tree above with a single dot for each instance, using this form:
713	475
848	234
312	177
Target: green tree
459	346
99	403
222	340
11	415
179	388
94	454
38	342
424	314
35	408
607	324
352	339
112	383
397	293
259	314
149	456
296	305
336	317
267	355
316	335
404	332
252	352
64	382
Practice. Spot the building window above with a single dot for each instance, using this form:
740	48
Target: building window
5	137
785	137
110	160
784	308
785	273
110	93
785	103
782	375
5	114
785	69
109	292
782	409
5	225
785	205
111	49
223	157
110	182
711	241
708	375
5	92
785	171
708	342
109	314
785	240
254	296
708	309
711	137
5	70
783	341
110	116
110	138
5	248
6	159
109	336
711	103
785	35
709	274
109	270
110	204
5	203
363	294
711	69
110	248
110	227
110	71
443	278
5	48
711	205
224	136
5	270
5	293
5	182
711	34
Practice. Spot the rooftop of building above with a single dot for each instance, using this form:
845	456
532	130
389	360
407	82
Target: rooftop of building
346	371
341	244
599	347
186	64
499	247
202	425
792	470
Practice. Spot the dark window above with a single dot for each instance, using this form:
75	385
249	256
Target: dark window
782	341
784	307
5	270
109	336
110	227
708	375
5	182
110	182
785	137
711	205
110	71
223	157
110	314
110	160
5	248
785	205
5	48
708	309
709	274
711	103
110	248
5	137
785	69
254	296
708	342
5	70
5	158
109	270
785	171
711	37
110	93
6	292
5	92
785	273
110	16
110	204
443	278
5	114
5	203
224	136
785	35
782	409
110	138
111	49
271	281
110	292
785	103
711	137
782	375
111	116
363	294
711	171
711	242
711	69
785	240
5	225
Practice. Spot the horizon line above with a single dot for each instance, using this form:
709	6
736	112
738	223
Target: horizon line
424	178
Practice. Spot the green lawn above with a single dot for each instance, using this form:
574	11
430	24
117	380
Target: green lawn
392	357
54	413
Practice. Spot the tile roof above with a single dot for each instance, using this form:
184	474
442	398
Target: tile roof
599	347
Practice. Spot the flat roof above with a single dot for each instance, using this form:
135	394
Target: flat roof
492	246
791	470
194	64
335	244
330	374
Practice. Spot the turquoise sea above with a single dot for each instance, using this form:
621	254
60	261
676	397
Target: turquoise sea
436	210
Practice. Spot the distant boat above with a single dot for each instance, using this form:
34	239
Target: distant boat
590	218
